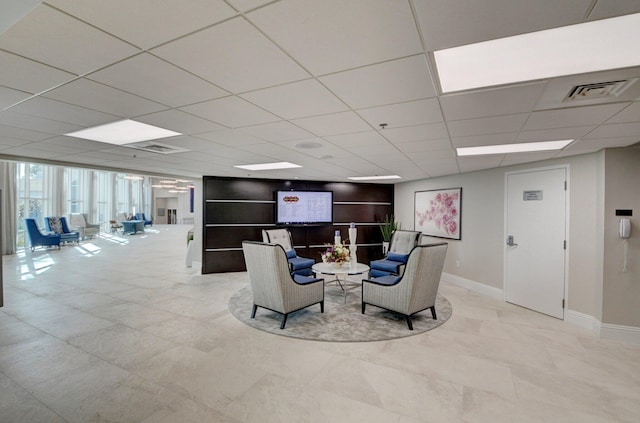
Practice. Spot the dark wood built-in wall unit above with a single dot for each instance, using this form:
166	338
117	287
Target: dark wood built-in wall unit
238	209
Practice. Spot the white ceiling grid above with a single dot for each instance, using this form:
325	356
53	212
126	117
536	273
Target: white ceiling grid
304	81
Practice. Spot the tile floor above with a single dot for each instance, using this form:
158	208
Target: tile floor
119	330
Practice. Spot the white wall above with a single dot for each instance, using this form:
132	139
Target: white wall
169	200
621	290
480	254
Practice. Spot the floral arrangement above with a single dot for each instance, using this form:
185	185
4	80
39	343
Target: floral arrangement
338	254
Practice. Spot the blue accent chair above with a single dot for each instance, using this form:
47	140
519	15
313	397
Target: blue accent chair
297	265
413	291
402	242
58	225
141	216
37	238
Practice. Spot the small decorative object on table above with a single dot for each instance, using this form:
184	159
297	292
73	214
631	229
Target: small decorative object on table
353	234
336	254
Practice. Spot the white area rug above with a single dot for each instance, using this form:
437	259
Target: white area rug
340	322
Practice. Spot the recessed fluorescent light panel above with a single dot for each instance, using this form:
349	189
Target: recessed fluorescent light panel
123	132
373	178
525	147
269	166
588	47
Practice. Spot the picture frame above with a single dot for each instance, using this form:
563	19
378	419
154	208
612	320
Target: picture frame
438	213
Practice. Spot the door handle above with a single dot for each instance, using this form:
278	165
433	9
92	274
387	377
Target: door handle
510	242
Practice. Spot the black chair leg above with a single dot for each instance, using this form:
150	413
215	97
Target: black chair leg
321	306
433	313
253	311
409	323
284	320
363	306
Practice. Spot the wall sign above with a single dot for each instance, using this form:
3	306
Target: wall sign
532	195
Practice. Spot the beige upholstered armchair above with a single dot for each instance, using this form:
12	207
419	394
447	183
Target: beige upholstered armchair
274	288
402	242
415	290
80	223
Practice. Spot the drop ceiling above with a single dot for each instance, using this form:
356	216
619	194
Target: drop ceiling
303	81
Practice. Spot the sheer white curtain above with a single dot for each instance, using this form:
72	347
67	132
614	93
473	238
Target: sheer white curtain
9	207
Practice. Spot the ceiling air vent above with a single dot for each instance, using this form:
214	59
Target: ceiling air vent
599	90
156	147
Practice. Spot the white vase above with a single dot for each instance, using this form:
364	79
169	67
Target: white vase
385	247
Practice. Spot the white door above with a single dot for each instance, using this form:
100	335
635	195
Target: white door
535	240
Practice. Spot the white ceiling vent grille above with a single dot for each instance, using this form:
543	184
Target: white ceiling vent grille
156	147
599	90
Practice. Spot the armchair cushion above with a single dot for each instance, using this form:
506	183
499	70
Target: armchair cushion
386	265
291	254
302	280
385	280
402	258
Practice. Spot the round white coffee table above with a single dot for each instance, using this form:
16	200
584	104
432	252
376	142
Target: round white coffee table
348	269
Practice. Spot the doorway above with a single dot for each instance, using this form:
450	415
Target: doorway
535	238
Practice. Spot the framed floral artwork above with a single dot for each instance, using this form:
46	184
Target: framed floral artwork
438	212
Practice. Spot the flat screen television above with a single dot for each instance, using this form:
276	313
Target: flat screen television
304	207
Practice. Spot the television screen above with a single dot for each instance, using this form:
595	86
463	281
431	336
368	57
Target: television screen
304	207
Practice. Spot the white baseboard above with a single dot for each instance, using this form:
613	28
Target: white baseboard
474	286
583	320
620	333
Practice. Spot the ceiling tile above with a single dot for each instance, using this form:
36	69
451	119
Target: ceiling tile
554	134
8	131
598	144
7	142
578	116
480	22
491	102
179	121
144	22
237	58
610	8
480	140
471	164
416	133
385	83
488	125
616	130
63	112
232	111
27	75
277	131
80	48
426	145
514	159
360	139
296	100
9	97
333	35
403	114
231	137
147	76
49	126
630	114
99	97
333	124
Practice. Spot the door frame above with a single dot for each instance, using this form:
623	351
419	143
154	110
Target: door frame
567	220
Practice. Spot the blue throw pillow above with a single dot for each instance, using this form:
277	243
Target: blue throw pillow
291	253
402	258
